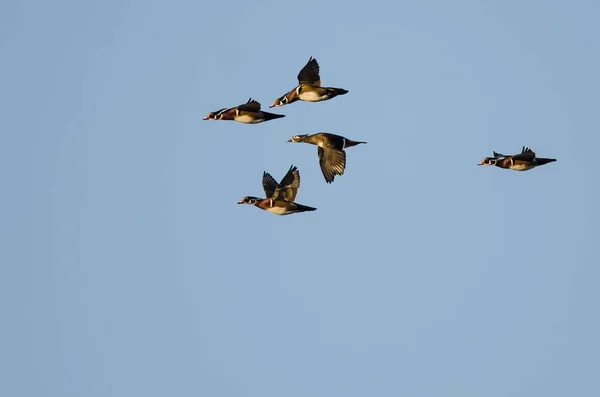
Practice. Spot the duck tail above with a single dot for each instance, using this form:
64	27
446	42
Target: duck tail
350	143
272	116
542	161
302	208
336	91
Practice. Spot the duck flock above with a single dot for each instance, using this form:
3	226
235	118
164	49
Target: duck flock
330	147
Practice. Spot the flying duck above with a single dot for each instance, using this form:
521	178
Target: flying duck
523	161
309	87
280	196
330	149
248	113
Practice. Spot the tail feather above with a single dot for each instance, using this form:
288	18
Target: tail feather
336	91
542	161
350	143
272	116
302	208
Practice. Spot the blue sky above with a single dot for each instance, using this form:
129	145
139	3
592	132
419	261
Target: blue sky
129	269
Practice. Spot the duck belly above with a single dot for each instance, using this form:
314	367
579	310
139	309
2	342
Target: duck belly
247	119
312	96
522	167
277	210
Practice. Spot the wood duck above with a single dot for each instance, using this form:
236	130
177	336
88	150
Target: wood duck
330	148
523	161
280	196
248	113
309	87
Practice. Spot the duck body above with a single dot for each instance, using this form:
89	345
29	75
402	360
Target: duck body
280	196
276	206
309	87
248	113
524	161
330	150
311	93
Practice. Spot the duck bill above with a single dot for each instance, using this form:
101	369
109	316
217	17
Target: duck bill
205	118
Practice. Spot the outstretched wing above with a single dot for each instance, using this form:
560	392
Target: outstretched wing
269	184
288	188
310	73
250	106
332	162
525	155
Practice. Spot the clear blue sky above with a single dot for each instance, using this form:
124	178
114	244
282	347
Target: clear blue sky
128	269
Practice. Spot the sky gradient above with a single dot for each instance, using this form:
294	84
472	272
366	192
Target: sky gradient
128	269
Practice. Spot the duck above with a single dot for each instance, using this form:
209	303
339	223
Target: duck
524	161
330	149
280	196
309	87
247	113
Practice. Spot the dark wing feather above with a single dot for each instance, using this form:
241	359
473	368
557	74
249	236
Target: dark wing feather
332	162
310	73
269	184
525	155
288	187
250	106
